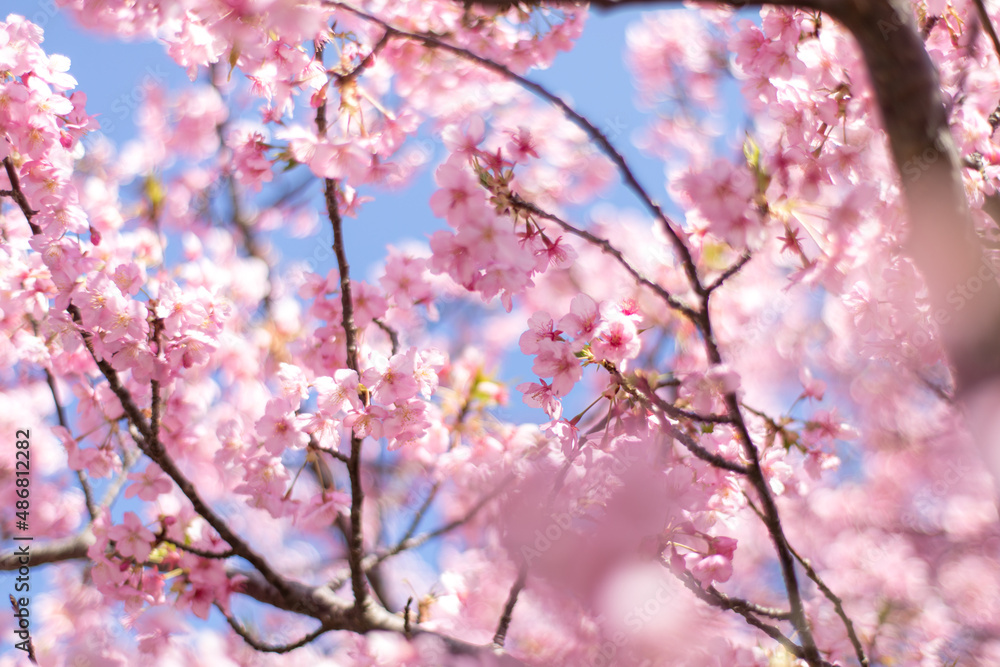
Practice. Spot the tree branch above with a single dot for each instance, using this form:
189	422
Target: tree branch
838	606
356	543
152	448
722	601
17	195
203	553
374	559
264	647
605	246
53	551
730	272
645	395
392	333
88	494
984	19
508	609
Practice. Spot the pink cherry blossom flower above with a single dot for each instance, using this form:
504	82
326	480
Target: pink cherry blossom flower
339	393
811	387
280	428
522	145
406	423
366	421
540	327
265	482
250	164
558	361
539	395
465	142
131	538
583	318
129	278
713	568
294	385
459	194
321	511
428	364
616	341
148	484
392	380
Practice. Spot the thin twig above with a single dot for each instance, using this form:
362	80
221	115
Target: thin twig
154	385
15	605
263	647
448	527
508	609
407	629
155	451
17	195
313	444
606	247
203	553
838	606
356	544
752	607
392	333
713	597
88	494
453	441
112	491
367	61
374	559
420	513
652	400
730	272
251	244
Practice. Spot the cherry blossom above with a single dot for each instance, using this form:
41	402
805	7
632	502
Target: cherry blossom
758	387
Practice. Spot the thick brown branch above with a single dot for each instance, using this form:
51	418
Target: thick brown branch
53	551
337	614
942	239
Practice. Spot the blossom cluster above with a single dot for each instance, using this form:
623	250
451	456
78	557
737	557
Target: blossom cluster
710	396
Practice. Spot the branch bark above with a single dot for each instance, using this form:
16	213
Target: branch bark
355	539
942	241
